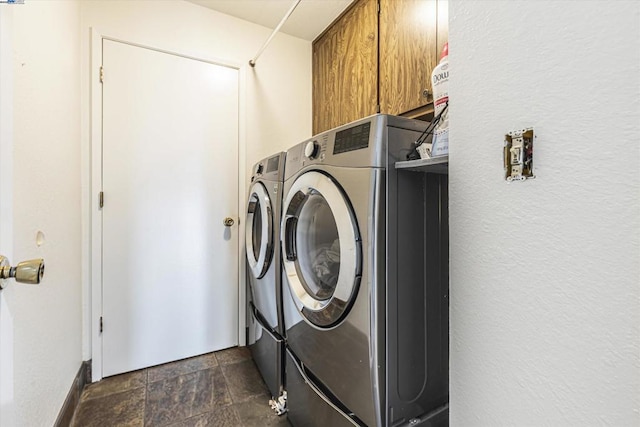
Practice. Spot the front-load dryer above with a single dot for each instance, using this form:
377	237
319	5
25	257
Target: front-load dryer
262	232
364	281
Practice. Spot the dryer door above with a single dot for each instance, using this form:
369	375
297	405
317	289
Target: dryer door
322	249
259	230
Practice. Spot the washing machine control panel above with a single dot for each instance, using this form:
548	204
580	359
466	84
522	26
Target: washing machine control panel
267	168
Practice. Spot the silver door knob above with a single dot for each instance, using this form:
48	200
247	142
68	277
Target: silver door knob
30	272
228	221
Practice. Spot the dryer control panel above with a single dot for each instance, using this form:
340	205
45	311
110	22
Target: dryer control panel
354	138
374	141
312	149
350	139
315	149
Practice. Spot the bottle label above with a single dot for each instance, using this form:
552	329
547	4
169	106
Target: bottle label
440	83
440	145
441	75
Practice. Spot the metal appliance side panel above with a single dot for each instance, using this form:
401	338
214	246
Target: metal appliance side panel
267	352
305	407
377	252
341	357
276	199
417	294
399	141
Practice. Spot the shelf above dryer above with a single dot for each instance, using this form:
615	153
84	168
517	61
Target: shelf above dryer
439	165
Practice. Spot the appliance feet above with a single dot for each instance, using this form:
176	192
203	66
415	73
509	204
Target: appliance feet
280	404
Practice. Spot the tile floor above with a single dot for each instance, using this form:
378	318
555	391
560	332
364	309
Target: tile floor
217	389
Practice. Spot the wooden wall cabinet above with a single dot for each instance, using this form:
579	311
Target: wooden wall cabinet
407	54
377	57
345	68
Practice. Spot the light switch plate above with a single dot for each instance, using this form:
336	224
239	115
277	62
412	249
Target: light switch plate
518	155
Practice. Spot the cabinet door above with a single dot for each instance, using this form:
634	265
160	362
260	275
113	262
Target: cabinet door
326	79
345	74
407	53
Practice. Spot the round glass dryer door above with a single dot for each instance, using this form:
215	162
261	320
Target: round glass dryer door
259	230
322	249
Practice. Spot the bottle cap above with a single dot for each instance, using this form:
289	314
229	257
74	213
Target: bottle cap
445	50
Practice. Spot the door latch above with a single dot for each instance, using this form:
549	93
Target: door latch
29	272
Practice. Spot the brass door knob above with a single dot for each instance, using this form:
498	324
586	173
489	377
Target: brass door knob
228	221
29	272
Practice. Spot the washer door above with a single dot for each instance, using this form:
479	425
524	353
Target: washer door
259	230
322	249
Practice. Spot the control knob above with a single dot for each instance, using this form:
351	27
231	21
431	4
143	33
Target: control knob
259	168
311	149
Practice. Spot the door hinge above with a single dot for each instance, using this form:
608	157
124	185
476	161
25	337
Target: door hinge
101	199
378	108
101	328
101	74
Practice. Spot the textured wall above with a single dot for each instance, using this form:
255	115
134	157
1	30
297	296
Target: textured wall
47	319
545	274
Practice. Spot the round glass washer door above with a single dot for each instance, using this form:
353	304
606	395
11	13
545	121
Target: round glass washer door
259	230
322	254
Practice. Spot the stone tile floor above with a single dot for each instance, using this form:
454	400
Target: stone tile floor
217	389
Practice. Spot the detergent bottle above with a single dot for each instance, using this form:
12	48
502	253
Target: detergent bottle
440	85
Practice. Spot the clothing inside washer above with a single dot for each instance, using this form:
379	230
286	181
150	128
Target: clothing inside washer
319	247
326	266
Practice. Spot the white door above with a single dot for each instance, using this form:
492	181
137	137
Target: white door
170	177
6	221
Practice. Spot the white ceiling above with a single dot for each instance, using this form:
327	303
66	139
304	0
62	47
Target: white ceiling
307	21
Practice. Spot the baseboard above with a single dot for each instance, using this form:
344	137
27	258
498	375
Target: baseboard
73	397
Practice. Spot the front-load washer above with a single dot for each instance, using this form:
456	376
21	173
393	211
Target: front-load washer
264	290
365	280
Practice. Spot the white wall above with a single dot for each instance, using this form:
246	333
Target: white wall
52	157
277	92
6	212
545	274
47	319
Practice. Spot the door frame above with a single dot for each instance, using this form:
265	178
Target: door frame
93	175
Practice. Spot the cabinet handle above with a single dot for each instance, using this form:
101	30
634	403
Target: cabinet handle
426	93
